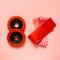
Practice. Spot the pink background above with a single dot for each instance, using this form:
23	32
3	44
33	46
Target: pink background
30	9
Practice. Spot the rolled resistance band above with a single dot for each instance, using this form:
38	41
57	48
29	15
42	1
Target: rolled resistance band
37	22
16	26
45	28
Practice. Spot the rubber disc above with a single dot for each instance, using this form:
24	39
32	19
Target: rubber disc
16	37
16	22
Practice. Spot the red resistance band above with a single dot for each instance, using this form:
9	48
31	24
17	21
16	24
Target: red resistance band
37	35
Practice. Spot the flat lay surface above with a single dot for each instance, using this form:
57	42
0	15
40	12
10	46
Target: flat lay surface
28	10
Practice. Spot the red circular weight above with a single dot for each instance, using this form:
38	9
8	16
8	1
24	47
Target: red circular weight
9	40
20	18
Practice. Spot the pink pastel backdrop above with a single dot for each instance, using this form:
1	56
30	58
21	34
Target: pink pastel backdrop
30	9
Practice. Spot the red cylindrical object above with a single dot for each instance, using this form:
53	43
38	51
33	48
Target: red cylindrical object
10	41
37	35
18	17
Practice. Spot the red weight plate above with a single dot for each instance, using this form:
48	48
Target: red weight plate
18	17
37	35
10	35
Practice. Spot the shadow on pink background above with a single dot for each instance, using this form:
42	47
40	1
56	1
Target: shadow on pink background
30	9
